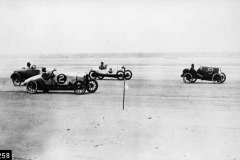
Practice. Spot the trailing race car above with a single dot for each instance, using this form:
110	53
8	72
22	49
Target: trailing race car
54	81
110	71
204	73
21	75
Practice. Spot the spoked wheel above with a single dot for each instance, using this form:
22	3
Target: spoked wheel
194	80
79	87
92	86
217	78
16	81
100	77
32	87
92	75
187	78
224	77
120	75
128	74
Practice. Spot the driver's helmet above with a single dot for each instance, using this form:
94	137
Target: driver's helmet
192	65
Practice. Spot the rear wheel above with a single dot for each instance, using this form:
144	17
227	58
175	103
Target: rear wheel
120	75
79	87
32	87
93	74
128	74
187	78
217	78
224	77
92	86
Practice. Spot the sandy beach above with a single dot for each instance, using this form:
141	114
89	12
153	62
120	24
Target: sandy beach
164	118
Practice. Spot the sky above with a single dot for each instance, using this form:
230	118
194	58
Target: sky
119	26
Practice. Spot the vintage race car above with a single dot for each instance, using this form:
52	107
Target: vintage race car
54	81
110	71
204	73
19	76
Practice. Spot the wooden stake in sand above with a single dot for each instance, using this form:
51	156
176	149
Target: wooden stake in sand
123	86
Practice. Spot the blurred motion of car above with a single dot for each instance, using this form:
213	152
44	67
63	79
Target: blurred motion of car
55	81
110	71
19	76
204	73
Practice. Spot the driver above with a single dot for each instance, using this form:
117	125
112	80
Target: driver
194	72
29	65
102	66
46	75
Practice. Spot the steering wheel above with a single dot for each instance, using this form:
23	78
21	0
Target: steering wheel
33	67
52	75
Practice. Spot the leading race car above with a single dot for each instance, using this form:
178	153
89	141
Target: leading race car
19	76
110	71
204	73
54	81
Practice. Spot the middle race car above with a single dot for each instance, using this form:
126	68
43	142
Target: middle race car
110	71
213	74
54	81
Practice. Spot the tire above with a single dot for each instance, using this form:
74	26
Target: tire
187	78
92	75
92	86
128	74
224	77
194	80
79	87
32	87
217	78
120	75
100	77
16	81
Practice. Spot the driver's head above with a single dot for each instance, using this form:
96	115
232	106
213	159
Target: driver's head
44	69
101	63
192	65
28	64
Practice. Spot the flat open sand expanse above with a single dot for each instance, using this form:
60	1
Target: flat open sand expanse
164	118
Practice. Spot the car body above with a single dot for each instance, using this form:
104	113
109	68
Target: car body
79	83
110	71
19	76
213	74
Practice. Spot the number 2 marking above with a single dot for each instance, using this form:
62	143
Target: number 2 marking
210	70
61	78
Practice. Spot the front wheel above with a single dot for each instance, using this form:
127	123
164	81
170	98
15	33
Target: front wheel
120	75
224	77
16	81
217	78
79	87
92	86
187	78
128	74
32	87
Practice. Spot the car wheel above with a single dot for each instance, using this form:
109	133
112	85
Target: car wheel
32	87
120	75
93	75
100	77
92	86
187	78
16	81
224	77
128	74
217	78
79	87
